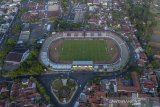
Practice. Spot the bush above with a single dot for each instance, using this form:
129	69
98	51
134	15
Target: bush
10	42
155	64
31	66
16	28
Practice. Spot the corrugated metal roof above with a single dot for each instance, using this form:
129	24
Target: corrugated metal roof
82	62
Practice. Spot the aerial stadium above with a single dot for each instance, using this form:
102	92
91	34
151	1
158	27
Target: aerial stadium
84	50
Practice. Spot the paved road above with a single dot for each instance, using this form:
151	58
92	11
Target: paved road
81	78
46	80
5	35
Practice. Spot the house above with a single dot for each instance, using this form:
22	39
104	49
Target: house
78	13
96	94
149	84
2	13
93	2
4	27
93	21
17	56
17	0
3	103
53	1
157	57
54	8
106	2
25	33
25	94
25	81
24	36
130	89
141	62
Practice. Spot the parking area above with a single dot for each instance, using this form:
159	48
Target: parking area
36	33
39	31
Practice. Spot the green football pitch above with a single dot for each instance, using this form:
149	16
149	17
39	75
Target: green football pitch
93	50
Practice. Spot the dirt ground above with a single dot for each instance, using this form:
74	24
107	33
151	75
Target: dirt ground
114	52
54	52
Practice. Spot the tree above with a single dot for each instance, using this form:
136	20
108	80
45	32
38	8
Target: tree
111	87
141	17
33	55
116	15
23	10
30	66
53	18
11	42
64	4
41	89
16	28
47	97
149	50
155	64
2	54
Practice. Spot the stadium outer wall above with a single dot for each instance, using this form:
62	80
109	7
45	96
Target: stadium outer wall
119	64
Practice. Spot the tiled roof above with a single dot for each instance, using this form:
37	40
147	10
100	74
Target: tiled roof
154	79
19	50
16	54
13	56
149	84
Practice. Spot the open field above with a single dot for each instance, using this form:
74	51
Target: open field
84	50
155	39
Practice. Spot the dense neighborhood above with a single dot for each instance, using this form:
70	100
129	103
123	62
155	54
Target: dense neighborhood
79	53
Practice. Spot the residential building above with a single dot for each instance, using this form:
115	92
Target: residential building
122	88
78	13
149	84
25	33
17	55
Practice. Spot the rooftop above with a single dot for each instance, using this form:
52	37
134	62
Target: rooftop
82	63
13	56
134	88
16	54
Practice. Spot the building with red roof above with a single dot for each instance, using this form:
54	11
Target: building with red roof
149	84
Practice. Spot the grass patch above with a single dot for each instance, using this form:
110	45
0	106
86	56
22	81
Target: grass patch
157	27
94	50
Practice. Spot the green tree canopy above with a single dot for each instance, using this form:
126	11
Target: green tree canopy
23	10
16	28
11	42
155	64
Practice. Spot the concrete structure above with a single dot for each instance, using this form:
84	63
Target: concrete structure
120	63
82	65
25	33
78	13
17	0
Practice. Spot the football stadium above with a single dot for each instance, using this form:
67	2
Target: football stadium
84	50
